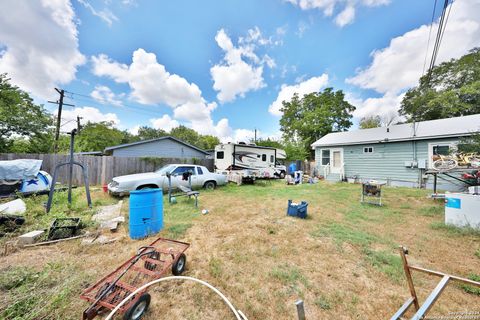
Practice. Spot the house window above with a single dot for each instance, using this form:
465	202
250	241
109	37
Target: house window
264	157
438	150
272	159
325	157
220	154
368	150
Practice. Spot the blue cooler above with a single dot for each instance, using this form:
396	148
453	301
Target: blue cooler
146	212
299	210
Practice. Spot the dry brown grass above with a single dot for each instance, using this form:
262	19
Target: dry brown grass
341	261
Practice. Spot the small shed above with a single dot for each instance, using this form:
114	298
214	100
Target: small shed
399	155
164	147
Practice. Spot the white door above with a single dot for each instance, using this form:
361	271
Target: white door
336	160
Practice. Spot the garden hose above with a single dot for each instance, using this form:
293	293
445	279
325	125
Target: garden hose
238	314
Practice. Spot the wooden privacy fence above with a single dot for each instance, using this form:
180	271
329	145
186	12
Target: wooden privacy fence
101	169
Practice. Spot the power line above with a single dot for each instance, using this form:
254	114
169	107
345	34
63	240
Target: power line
59	115
429	35
87	98
441	29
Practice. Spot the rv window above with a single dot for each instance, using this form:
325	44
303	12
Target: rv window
272	159
325	157
264	157
199	170
219	154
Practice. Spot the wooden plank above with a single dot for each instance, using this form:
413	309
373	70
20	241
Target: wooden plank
431	299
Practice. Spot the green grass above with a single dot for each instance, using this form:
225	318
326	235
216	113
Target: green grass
477	253
472	289
215	267
288	275
454	230
177	231
42	294
431	211
342	233
323	302
385	262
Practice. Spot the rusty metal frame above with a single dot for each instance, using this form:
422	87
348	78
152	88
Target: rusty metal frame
422	310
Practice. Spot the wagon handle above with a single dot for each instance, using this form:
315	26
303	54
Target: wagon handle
142	251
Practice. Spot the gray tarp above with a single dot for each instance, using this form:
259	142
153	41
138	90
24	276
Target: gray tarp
19	169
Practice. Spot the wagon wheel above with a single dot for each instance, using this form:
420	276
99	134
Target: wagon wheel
138	309
179	266
442	165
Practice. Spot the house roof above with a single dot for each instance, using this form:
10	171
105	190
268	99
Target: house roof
153	140
441	128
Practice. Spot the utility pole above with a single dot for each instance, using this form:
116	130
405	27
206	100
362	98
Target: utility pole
255	135
79	126
59	116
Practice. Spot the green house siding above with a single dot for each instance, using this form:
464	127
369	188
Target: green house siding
387	163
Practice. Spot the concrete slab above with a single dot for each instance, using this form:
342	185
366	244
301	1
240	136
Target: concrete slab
30	237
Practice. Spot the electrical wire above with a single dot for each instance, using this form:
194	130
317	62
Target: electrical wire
238	314
429	35
86	98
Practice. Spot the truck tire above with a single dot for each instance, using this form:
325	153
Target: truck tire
282	174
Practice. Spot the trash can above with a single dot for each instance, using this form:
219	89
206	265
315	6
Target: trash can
297	209
146	212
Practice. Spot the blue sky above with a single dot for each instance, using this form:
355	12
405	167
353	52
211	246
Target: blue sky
222	67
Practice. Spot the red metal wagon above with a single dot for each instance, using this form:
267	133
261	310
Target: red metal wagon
150	263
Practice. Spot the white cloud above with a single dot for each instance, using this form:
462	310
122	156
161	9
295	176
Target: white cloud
134	130
104	95
105	14
88	114
245	135
286	93
241	69
40	45
382	106
152	84
399	66
165	123
346	16
344	9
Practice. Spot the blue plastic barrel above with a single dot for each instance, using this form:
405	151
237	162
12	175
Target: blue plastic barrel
146	212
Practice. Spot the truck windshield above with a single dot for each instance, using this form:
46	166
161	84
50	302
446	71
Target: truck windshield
163	170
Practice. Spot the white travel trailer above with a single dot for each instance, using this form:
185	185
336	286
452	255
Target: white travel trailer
249	160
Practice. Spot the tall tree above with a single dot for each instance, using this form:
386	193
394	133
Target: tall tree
98	136
451	89
208	142
186	134
370	122
307	119
270	143
19	116
147	133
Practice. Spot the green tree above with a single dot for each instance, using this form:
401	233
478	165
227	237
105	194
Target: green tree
470	144
186	134
307	119
19	116
296	151
451	90
208	142
370	122
147	133
98	136
270	143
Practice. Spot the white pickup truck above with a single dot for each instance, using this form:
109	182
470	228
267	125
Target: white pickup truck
200	177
